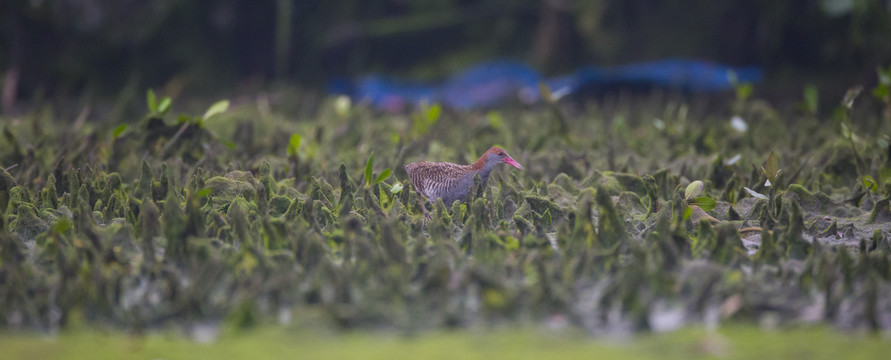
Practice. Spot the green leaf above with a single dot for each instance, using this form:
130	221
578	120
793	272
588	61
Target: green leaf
744	91
731	196
118	131
217	108
397	188
294	145
869	183
850	96
62	226
368	166
385	200
687	213
383	176
811	98
203	192
772	167
695	188
846	131
881	92
433	114
511	243
704	202
151	100
164	106
755	194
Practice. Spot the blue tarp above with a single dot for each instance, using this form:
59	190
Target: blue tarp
491	83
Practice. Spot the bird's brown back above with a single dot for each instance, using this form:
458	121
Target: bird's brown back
436	179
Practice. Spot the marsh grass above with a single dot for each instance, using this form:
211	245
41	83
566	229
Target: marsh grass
229	218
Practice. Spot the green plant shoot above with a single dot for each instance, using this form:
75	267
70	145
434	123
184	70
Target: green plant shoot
294	145
771	169
118	131
694	189
704	202
217	108
368	166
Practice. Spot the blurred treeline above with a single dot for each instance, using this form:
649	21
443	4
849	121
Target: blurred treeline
70	46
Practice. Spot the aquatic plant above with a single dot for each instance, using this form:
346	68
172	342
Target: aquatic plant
612	225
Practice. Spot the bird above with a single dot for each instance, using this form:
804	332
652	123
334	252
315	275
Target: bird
450	182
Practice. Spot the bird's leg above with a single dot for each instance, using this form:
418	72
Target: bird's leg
426	213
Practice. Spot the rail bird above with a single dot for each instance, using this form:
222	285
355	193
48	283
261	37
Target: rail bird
450	182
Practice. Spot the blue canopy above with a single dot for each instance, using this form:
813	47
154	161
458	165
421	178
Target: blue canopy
496	82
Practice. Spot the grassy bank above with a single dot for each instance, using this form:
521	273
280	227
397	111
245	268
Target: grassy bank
734	342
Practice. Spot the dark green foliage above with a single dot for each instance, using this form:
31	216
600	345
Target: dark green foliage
539	210
294	209
796	246
881	212
6	183
879	242
161	187
48	197
17	196
631	182
150	228
173	221
227	188
705	241
728	249
808	200
143	239
611	228
831	230
144	187
347	186
279	205
652	193
584	233
767	253
26	224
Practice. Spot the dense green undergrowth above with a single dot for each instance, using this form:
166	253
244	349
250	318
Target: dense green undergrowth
228	216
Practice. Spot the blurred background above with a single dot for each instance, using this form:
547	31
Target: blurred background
95	48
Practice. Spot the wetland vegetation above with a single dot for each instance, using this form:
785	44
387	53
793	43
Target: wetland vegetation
653	218
634	214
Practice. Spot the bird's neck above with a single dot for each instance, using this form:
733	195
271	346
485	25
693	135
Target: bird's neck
480	164
482	168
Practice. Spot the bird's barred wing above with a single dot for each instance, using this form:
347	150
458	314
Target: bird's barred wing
417	173
437	189
433	180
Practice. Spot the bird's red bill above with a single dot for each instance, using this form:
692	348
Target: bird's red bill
510	161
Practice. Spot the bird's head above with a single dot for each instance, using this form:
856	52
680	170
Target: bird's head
497	155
